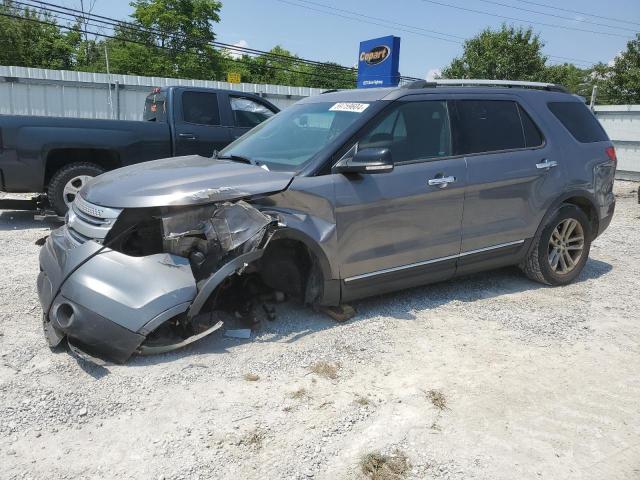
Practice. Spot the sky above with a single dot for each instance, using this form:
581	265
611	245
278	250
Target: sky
431	32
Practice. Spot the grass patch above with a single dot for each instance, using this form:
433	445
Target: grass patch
377	466
438	399
362	400
325	369
251	377
253	439
299	394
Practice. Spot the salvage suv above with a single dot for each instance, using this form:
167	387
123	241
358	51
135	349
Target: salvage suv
342	196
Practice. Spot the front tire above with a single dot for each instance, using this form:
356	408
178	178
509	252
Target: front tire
67	182
561	249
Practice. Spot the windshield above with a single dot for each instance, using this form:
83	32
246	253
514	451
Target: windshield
291	138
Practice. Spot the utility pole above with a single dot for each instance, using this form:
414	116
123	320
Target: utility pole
110	100
594	94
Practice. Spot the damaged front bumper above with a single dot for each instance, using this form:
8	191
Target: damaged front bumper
107	303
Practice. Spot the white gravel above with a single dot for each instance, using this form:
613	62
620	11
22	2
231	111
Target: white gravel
539	383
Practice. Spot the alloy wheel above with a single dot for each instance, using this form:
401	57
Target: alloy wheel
566	246
72	188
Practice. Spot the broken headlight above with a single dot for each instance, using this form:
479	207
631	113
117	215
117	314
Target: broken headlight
208	234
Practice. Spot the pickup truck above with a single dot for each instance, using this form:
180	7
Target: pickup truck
59	155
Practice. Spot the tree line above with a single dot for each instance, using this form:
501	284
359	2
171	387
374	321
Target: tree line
176	38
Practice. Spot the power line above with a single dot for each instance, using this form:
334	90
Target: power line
387	22
369	22
76	29
563	17
577	60
111	22
539	4
448	5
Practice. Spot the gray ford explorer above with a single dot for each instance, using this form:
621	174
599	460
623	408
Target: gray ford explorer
343	195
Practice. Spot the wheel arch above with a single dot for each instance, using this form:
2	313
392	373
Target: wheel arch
582	199
58	157
297	239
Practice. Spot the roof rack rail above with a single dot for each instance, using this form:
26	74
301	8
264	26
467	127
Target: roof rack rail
470	82
419	84
331	90
500	83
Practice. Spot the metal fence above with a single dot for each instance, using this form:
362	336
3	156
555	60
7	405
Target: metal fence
622	123
61	93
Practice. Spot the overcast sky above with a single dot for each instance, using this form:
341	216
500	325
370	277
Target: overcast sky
313	31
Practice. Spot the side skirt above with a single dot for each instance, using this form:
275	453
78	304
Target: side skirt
431	271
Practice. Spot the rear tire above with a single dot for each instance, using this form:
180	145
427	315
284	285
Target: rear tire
67	182
561	249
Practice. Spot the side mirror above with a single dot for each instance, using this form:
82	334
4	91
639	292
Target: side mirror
367	160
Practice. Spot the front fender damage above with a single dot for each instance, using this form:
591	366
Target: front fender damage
110	304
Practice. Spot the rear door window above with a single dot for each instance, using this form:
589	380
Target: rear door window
532	135
489	126
200	108
412	131
248	113
578	119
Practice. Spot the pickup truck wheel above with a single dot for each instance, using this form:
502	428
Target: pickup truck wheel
561	249
67	182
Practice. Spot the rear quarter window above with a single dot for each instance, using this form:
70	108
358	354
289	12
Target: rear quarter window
155	109
579	120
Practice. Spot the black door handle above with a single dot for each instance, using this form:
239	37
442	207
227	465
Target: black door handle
187	136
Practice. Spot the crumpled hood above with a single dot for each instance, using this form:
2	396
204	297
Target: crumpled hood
189	180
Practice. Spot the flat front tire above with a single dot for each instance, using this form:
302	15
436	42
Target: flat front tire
67	182
561	248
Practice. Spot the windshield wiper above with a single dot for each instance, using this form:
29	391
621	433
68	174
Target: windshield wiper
235	158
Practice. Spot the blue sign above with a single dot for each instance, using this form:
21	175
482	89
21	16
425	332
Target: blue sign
378	62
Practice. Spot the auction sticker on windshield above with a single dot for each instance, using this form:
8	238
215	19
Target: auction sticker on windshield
349	107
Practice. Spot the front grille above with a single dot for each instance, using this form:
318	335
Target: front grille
87	221
77	237
90	219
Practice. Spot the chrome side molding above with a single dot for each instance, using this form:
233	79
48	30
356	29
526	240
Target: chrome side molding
435	260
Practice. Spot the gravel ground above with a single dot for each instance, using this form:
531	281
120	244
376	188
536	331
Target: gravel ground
487	377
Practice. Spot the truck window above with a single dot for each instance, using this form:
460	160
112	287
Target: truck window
155	109
489	126
248	113
580	122
200	108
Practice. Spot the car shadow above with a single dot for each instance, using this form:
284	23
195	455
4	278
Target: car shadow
298	321
23	220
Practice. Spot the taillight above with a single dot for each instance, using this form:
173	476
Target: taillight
611	153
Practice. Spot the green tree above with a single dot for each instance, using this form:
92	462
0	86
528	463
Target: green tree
331	75
576	80
506	54
280	67
27	42
619	83
165	38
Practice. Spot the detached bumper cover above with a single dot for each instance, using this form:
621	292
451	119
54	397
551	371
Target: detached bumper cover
110	303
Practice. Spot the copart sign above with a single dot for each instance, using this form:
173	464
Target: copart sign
378	61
